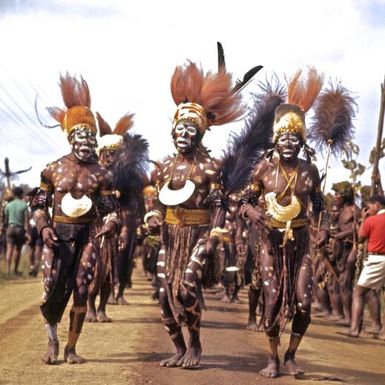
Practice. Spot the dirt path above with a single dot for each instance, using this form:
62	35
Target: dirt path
128	350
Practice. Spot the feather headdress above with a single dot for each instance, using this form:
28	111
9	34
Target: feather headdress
112	139
204	99
301	94
77	99
333	119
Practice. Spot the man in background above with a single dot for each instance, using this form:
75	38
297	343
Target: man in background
373	273
17	225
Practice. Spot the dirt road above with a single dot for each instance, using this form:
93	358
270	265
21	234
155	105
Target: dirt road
128	350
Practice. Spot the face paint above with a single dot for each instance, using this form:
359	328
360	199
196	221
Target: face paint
185	135
83	142
288	146
107	157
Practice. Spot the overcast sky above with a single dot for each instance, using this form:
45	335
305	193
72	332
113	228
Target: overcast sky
127	51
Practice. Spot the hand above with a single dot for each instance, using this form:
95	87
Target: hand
107	229
322	238
255	214
123	241
49	237
365	213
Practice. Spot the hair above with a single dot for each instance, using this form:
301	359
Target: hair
18	192
377	199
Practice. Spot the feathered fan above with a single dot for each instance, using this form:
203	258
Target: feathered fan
332	125
130	169
246	148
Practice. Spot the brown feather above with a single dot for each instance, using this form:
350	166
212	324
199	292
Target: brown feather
104	127
303	92
221	104
186	83
57	113
124	124
74	92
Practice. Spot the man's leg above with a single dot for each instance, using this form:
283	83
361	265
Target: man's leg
302	317
17	259
105	291
79	307
50	276
168	320
8	256
357	310
271	291
374	304
190	298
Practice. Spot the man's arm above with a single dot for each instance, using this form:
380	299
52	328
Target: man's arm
40	201
319	211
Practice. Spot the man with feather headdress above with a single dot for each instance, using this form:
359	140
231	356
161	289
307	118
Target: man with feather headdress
114	252
78	190
288	185
126	157
191	195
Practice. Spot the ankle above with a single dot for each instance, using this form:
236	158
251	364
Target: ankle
289	355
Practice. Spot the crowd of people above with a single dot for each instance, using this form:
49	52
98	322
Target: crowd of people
255	218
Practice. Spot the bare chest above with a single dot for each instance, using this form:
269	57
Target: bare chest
77	179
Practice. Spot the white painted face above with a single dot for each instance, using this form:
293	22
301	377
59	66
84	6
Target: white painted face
184	136
83	142
288	146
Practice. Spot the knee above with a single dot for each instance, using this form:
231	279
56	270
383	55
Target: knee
162	297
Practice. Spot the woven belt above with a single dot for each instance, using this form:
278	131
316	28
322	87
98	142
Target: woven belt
68	220
295	223
185	217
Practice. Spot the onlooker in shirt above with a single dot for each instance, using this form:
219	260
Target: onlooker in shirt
373	273
17	224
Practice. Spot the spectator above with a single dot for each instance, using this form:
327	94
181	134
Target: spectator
17	225
373	273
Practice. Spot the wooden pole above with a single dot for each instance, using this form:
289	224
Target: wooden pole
376	173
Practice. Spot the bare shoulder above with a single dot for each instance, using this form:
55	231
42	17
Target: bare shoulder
261	168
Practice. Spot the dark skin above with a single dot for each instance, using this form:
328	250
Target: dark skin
190	163
307	188
79	174
106	159
346	227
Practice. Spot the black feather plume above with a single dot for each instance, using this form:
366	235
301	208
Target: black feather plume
221	57
130	169
246	148
332	125
240	84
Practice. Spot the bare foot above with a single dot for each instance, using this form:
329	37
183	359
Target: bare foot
121	301
50	358
172	361
191	358
252	325
71	357
225	299
272	368
235	299
111	300
349	333
91	316
102	317
344	322
292	367
380	336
